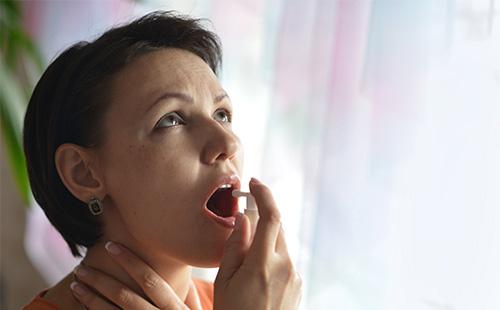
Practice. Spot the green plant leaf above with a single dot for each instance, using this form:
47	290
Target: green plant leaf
20	64
11	116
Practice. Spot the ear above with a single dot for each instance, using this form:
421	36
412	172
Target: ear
78	171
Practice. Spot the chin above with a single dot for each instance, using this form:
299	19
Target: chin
207	264
207	259
206	252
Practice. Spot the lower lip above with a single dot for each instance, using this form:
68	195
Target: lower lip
226	222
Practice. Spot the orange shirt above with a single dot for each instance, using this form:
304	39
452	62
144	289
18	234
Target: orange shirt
205	292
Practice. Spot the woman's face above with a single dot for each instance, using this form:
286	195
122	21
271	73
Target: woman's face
161	158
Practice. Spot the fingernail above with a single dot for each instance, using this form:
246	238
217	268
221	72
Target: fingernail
78	289
81	271
255	181
112	248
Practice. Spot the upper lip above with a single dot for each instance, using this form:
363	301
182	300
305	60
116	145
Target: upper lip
230	178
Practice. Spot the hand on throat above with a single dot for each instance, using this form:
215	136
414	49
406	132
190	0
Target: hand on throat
176	274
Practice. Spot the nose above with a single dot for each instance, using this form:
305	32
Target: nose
221	144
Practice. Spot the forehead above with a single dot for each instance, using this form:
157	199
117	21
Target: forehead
169	69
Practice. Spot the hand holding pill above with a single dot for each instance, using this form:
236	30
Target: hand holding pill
253	272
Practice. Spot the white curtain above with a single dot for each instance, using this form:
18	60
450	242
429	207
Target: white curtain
374	122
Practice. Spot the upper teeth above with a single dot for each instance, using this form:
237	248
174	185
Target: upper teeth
225	186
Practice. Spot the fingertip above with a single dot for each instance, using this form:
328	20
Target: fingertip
246	231
78	289
241	229
237	221
112	248
244	220
255	181
235	249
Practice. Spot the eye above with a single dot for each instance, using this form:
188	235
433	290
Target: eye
225	115
170	120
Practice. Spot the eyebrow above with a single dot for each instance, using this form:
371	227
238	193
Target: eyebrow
184	97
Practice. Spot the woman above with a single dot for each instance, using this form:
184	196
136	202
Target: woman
131	154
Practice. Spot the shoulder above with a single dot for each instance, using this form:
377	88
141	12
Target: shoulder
205	291
57	297
205	286
39	303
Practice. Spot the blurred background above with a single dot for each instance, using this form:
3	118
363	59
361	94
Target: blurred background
373	122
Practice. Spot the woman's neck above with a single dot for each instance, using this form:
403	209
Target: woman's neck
177	275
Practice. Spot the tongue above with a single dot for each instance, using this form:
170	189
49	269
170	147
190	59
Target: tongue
222	202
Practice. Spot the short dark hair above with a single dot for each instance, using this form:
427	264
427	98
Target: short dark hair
71	97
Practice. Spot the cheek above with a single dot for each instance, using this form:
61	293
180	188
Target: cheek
126	170
152	190
240	160
152	180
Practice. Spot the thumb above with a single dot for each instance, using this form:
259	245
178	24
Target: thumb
235	249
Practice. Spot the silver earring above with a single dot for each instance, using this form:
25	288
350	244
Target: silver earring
95	206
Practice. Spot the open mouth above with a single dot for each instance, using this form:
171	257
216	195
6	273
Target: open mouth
221	206
222	202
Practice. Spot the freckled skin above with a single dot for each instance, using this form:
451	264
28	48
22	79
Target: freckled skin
156	179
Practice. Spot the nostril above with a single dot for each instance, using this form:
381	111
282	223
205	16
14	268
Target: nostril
222	156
